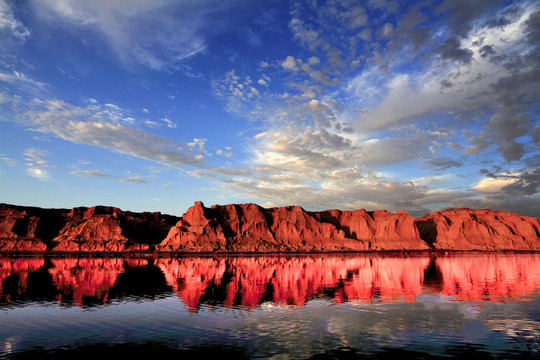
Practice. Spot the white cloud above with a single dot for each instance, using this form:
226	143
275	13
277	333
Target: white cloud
37	164
7	160
495	185
290	63
152	124
304	33
486	87
38	173
91	126
228	155
156	34
9	24
260	135
100	174
90	173
198	145
169	123
20	78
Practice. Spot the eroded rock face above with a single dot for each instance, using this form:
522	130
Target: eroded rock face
81	229
488	230
28	229
251	228
381	229
247	228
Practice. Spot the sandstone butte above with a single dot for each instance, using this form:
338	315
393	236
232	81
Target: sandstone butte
249	228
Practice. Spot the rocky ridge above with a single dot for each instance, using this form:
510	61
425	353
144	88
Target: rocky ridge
249	228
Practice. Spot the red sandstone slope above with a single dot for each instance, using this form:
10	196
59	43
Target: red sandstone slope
251	228
94	229
382	229
466	229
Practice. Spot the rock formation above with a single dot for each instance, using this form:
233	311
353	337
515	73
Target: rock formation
81	229
488	230
381	229
249	228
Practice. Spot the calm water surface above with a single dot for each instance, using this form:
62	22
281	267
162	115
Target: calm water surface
281	307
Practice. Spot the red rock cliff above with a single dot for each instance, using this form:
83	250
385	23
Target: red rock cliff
488	230
251	228
381	229
94	229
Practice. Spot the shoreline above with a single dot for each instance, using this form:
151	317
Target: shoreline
174	254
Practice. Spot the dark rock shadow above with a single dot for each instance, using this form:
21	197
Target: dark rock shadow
427	229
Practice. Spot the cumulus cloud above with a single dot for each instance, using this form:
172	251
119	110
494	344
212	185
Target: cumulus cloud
467	95
475	85
507	191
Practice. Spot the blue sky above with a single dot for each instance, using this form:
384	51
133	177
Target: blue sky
152	105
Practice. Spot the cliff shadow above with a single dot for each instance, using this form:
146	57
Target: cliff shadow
147	228
427	229
327	217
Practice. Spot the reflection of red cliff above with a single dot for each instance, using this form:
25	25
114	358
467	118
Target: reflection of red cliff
251	228
191	278
85	277
294	280
490	277
21	267
465	229
250	281
386	279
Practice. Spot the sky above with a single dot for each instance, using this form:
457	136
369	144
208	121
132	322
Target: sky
374	104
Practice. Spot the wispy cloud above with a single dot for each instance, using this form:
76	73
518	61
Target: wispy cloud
7	160
100	174
37	165
156	34
21	79
91	126
10	25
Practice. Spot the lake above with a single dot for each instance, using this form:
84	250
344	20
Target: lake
333	306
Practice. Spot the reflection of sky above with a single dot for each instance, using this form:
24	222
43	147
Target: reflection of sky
431	323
